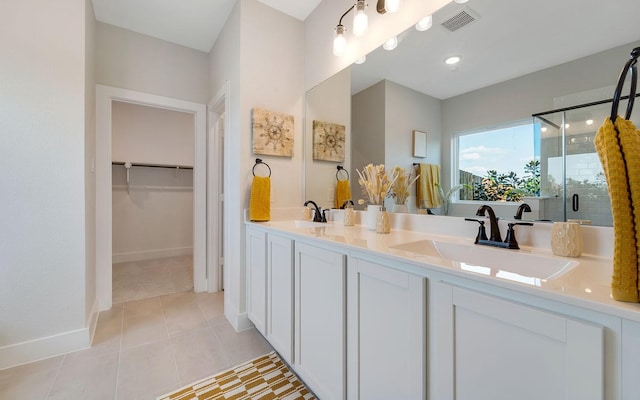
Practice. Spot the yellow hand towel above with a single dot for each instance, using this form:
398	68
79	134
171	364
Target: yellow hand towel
260	201
426	189
343	192
621	166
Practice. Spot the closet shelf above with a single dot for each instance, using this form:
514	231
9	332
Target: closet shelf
151	187
153	165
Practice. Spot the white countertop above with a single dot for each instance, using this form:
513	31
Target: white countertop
586	283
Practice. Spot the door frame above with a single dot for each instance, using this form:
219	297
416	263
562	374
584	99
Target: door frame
105	95
216	217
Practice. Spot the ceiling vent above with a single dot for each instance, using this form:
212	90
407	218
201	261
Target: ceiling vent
460	20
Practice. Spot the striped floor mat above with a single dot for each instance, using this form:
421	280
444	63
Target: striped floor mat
264	378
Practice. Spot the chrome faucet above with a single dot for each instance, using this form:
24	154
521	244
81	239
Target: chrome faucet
524	207
493	222
318	216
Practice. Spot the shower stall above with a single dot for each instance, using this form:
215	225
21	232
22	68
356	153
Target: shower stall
572	182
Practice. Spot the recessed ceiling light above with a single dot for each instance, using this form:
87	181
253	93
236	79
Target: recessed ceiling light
567	126
460	1
589	122
452	60
543	129
361	60
425	23
391	43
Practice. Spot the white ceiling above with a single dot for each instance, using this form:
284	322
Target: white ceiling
190	23
510	38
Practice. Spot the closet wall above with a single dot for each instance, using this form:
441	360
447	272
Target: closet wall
153	212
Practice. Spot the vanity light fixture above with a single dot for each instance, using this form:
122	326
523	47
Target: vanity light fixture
391	43
339	42
388	6
360	21
425	23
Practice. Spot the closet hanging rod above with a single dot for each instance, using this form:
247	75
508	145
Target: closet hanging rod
154	165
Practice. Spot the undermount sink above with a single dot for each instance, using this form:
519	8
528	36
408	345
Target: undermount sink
502	263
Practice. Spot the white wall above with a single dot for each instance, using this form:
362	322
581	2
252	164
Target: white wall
264	67
142	134
328	102
133	61
154	218
43	273
320	63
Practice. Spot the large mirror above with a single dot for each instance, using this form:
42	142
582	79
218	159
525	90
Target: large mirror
518	58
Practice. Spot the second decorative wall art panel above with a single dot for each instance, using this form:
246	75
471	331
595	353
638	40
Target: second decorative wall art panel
272	133
328	141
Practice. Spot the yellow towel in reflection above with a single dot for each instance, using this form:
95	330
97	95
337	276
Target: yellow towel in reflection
426	190
343	192
621	164
260	201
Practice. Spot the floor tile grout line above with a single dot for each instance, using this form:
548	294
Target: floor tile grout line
115	390
53	381
173	353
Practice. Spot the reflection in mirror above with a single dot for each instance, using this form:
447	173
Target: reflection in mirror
517	59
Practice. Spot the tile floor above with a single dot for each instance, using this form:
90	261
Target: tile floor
137	280
142	349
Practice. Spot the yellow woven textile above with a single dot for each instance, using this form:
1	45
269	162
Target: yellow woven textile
260	201
426	189
343	192
621	164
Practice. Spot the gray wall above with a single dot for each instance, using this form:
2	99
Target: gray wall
130	60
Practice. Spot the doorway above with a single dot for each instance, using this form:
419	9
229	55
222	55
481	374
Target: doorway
105	97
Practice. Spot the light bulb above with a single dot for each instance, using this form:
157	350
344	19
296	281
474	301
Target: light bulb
392	5
360	19
391	43
425	23
339	41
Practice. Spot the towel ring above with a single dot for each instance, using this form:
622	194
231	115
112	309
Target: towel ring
340	168
630	65
259	161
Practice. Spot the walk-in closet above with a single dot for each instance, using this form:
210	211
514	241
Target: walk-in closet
152	201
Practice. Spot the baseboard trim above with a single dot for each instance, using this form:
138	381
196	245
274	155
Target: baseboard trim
151	254
34	350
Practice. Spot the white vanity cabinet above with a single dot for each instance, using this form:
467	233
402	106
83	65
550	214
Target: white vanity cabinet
256	269
279	327
489	348
320	320
387	343
630	360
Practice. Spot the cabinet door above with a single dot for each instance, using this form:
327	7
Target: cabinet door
320	307
387	340
630	359
280	296
256	249
492	349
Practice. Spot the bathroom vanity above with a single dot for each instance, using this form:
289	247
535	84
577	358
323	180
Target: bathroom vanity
418	314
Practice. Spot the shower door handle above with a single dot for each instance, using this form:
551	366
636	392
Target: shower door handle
575	202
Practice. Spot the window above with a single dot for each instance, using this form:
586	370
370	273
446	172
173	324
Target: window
498	164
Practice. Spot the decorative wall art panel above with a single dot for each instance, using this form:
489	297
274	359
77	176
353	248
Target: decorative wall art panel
328	141
272	133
